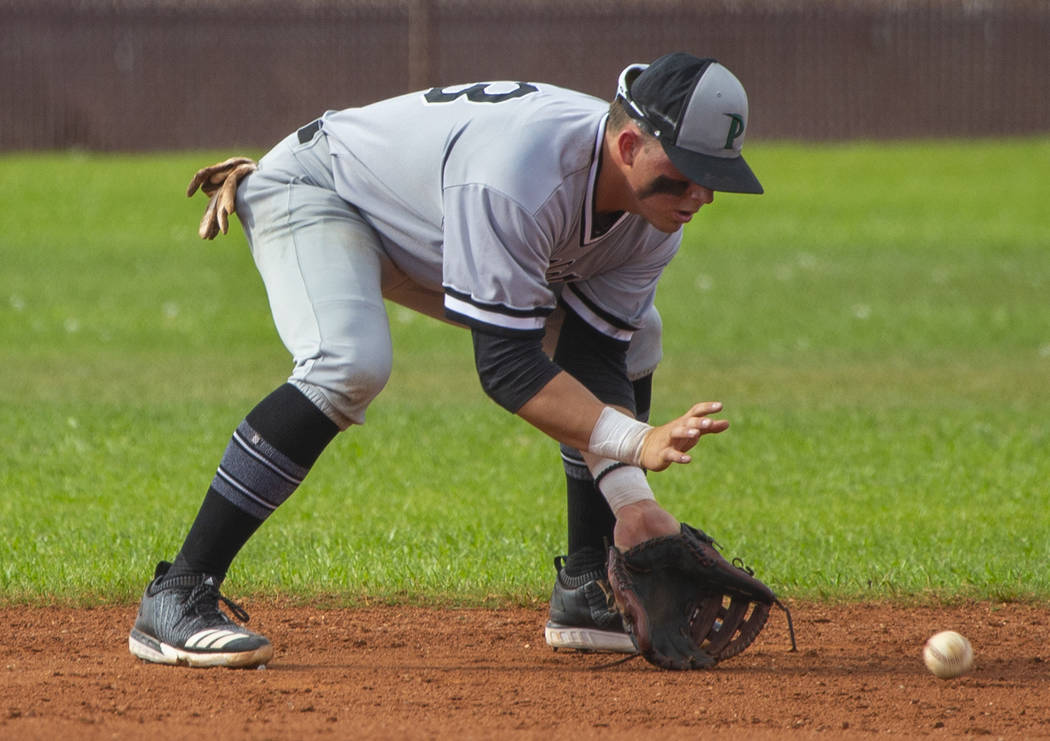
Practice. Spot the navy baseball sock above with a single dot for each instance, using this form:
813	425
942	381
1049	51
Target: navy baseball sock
590	525
267	458
590	520
214	539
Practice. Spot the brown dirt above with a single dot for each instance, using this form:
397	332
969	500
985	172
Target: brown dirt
396	672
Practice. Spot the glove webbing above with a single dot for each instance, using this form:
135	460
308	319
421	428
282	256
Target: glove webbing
739	563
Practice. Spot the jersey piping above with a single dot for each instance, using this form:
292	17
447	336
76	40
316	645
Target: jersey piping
602	321
494	317
587	222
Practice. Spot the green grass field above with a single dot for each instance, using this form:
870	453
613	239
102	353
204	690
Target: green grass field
877	325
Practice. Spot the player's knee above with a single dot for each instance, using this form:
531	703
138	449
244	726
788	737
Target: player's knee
346	385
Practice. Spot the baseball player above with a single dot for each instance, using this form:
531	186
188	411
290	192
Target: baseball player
538	218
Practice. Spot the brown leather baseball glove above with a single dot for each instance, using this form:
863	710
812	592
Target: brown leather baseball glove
219	182
684	605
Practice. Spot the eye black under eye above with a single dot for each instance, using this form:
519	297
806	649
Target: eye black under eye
670	186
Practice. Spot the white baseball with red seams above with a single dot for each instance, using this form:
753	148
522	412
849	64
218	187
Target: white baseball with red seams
948	654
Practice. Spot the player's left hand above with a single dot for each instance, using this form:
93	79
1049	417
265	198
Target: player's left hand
684	605
669	443
220	181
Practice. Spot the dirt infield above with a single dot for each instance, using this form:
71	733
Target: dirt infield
477	674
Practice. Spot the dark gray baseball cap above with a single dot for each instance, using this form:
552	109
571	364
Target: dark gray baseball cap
697	109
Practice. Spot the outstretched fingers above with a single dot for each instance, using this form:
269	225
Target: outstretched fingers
670	443
695	422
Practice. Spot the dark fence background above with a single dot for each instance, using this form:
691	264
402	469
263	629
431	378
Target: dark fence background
173	74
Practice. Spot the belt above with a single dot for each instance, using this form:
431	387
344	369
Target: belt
307	132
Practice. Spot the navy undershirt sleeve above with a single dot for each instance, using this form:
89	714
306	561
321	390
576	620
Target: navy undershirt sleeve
596	360
513	369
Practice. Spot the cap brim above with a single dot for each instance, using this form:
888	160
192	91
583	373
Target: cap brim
727	174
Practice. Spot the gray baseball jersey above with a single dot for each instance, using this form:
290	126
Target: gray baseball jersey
487	195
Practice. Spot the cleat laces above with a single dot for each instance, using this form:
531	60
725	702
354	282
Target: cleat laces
204	602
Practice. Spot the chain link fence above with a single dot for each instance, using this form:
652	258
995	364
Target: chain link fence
135	75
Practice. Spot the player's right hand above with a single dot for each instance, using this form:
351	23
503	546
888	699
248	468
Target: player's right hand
669	443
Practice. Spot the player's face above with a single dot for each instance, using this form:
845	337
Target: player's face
664	196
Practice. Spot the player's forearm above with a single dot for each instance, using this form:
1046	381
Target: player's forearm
565	410
568	412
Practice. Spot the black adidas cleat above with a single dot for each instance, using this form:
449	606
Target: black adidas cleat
583	615
179	622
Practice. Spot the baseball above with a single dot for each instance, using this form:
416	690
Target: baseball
948	654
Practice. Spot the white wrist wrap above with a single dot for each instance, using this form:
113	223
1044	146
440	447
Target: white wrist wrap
617	436
619	484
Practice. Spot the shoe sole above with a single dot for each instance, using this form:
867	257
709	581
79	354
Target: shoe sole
150	649
588	639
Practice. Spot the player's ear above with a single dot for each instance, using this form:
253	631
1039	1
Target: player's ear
628	144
